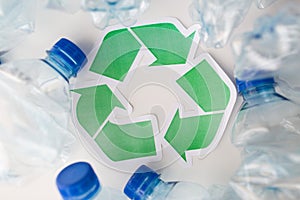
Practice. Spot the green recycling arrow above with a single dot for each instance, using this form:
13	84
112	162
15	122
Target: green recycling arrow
94	106
206	88
116	54
192	133
165	42
124	142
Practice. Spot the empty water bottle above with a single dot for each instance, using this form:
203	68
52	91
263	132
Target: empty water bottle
267	126
16	21
107	12
35	107
78	181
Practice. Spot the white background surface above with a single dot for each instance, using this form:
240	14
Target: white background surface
52	25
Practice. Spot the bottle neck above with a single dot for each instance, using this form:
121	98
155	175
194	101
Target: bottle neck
260	95
59	66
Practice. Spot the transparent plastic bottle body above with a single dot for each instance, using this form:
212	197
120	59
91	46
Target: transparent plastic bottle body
16	21
35	109
40	84
267	129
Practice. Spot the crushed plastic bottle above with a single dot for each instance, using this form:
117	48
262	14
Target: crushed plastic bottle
219	18
16	21
272	49
35	107
107	12
79	181
267	126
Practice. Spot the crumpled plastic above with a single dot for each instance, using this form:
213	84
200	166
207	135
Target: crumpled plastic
69	6
273	45
103	12
108	12
34	137
270	151
219	18
17	19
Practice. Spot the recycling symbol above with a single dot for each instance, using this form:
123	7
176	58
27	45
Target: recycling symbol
146	94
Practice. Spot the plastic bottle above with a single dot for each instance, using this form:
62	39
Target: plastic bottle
35	109
16	21
267	128
107	12
78	181
145	184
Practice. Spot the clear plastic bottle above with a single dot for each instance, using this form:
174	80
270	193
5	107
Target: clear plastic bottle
78	181
145	184
35	109
267	129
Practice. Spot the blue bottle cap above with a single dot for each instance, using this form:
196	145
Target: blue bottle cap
141	183
243	85
78	181
69	56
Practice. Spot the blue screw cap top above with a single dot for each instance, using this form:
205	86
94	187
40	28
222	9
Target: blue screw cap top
141	183
243	85
69	57
78	181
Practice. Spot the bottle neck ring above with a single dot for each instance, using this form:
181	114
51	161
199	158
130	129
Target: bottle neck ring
256	92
